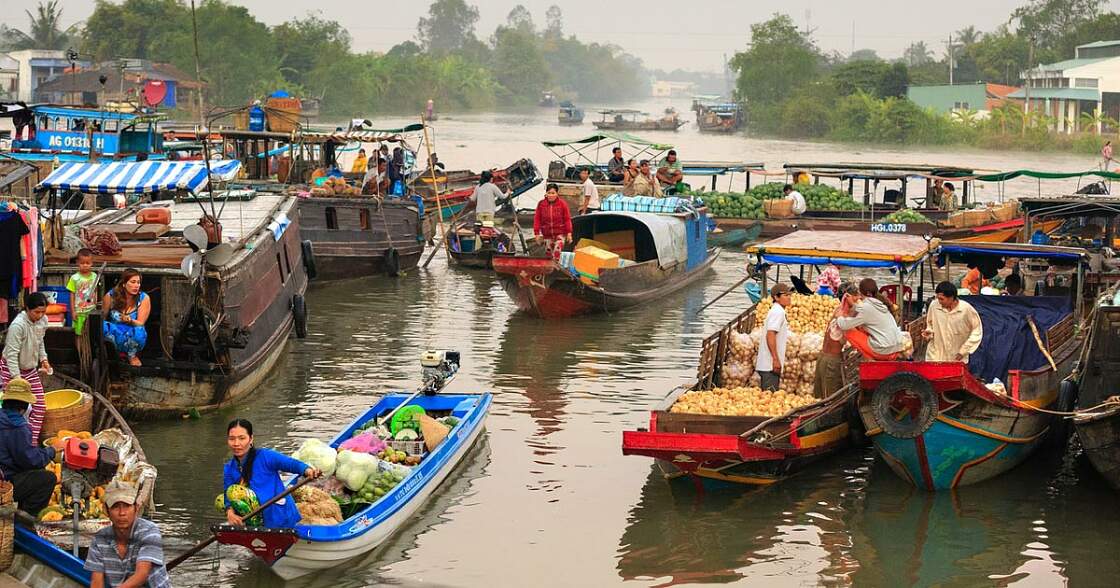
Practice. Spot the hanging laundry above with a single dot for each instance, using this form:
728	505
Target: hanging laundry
13	229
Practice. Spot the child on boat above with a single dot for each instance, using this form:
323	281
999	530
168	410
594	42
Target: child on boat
81	286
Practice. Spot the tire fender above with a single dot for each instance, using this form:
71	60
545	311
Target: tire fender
299	314
905	405
308	250
392	262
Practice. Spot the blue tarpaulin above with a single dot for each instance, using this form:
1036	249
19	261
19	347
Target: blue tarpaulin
1008	343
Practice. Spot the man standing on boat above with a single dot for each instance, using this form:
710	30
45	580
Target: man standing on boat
130	551
671	171
953	327
484	199
772	351
589	190
616	167
799	205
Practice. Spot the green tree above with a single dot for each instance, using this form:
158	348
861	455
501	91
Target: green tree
917	54
1104	27
140	29
864	55
858	76
779	61
1048	21
449	25
554	22
44	30
893	81
518	64
304	44
521	19
967	36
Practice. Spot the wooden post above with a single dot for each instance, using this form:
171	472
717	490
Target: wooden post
435	183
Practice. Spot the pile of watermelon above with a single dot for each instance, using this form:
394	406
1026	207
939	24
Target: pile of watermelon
749	205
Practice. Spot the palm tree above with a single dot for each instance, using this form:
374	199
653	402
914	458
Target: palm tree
968	35
44	31
917	54
965	116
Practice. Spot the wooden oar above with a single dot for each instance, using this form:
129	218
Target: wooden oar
206	543
1041	347
725	292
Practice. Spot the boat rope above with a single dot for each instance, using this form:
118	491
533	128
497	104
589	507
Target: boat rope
839	398
1109	404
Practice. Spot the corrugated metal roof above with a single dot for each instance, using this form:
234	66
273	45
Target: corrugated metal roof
1059	93
1070	63
1100	44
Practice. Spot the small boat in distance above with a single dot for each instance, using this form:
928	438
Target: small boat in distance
475	245
627	120
724	117
570	114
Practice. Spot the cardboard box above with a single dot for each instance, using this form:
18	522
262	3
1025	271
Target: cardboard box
585	242
589	260
620	242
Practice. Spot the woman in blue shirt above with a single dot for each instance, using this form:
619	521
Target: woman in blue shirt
259	469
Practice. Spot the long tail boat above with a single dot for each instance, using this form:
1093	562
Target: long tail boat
940	425
627	120
662	252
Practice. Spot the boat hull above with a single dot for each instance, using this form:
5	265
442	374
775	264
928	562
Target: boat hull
352	236
1100	438
539	288
639	126
976	434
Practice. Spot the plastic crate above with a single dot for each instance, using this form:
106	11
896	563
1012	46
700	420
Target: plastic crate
410	447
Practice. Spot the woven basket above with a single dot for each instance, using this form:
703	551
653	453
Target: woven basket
76	418
1006	212
778	208
7	527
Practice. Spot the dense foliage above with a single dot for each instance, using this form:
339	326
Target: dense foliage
793	89
241	58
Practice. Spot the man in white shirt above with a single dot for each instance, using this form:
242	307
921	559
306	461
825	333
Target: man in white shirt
799	205
590	192
484	199
772	348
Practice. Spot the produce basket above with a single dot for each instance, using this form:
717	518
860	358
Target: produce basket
77	417
283	114
7	525
414	447
980	216
778	208
1006	212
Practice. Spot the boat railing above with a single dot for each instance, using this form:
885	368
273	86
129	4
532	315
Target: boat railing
715	347
1060	334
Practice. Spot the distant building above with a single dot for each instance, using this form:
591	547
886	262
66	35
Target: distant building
122	82
36	66
1088	83
980	97
9	77
668	89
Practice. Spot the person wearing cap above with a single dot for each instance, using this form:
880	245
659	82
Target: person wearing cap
21	459
772	351
130	551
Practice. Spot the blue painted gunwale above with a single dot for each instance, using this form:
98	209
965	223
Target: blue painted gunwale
51	555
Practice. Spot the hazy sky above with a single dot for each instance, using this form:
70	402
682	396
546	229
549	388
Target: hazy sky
688	34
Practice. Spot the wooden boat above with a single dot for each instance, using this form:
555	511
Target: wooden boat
516	179
1098	428
668	251
937	424
734	237
570	114
39	561
627	120
292	553
475	246
714	450
358	237
214	336
719	118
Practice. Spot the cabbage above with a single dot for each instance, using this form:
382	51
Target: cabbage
318	455
354	468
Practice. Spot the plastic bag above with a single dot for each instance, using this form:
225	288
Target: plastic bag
364	443
318	455
354	467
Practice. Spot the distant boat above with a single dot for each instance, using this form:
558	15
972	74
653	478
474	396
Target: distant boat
720	118
547	99
570	114
627	120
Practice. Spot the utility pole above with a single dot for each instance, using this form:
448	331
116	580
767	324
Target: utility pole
197	68
950	46
1027	85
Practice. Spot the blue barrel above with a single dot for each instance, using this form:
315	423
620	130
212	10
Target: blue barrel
1040	238
256	119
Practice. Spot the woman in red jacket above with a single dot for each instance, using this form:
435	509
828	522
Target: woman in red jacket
553	221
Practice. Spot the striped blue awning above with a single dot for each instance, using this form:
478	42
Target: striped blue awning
132	177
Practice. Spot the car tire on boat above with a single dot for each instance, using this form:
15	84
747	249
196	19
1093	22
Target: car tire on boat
309	259
299	315
392	262
904	405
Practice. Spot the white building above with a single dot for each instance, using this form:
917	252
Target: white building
668	89
37	66
9	77
1088	83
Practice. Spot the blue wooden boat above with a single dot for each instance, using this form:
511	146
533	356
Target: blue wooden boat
292	553
734	237
65	132
938	425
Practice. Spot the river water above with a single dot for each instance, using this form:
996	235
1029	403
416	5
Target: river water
546	497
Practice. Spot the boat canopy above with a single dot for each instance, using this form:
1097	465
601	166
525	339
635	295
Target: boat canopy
847	248
1071	206
609	137
656	236
143	177
1017	250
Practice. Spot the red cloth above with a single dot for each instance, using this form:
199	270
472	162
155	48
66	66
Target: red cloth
552	219
859	339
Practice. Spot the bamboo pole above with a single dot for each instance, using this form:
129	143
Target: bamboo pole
435	186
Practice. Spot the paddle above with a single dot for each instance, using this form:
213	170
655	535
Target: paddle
750	274
206	543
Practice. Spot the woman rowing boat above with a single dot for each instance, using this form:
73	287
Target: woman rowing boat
259	470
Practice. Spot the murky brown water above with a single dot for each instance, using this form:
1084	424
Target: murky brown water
547	499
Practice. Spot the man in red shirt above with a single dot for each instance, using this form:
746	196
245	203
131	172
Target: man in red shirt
553	221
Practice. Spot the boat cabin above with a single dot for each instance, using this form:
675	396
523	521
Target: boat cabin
46	132
642	237
900	195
